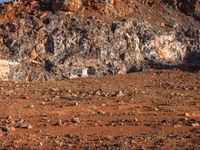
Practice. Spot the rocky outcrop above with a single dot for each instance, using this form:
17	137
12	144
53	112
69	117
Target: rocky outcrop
188	7
45	45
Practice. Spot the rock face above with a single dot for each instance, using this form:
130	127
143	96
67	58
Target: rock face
71	38
188	7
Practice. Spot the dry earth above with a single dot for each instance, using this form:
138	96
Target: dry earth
152	110
157	109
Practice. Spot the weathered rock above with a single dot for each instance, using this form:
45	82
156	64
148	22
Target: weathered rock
195	124
60	46
26	126
75	120
73	5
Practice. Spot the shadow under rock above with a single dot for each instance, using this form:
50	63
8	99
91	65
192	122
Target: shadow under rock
191	62
51	5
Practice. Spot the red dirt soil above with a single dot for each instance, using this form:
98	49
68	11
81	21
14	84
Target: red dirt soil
120	9
153	110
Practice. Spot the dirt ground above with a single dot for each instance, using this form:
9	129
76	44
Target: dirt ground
152	110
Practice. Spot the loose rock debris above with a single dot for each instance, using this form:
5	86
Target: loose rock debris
43	40
150	118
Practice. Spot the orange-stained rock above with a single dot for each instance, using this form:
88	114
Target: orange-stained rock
73	5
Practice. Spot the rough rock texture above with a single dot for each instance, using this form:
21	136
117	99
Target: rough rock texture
63	39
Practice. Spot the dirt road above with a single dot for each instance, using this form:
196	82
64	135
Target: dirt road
153	110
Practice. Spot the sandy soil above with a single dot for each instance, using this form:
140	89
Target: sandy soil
153	110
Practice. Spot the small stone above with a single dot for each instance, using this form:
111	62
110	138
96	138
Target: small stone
69	145
101	112
58	122
162	24
4	129
76	104
43	103
98	93
186	114
126	143
177	126
120	94
32	106
24	97
135	91
29	126
26	126
74	120
44	115
85	72
8	117
54	90
8	129
135	119
156	109
103	105
108	137
186	88
73	5
195	124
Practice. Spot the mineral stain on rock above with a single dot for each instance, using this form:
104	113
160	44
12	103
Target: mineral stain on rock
5	69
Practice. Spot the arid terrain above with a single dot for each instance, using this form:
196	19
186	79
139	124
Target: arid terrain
152	110
100	74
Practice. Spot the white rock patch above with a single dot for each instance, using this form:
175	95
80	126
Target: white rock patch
5	66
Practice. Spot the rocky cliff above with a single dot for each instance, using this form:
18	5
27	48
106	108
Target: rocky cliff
61	39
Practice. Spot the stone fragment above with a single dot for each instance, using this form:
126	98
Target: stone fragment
75	120
195	124
187	114
26	126
120	94
177	126
73	5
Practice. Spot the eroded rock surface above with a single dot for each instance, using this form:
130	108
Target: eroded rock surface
68	39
